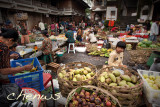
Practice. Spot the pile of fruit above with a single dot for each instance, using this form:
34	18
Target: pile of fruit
85	97
91	47
153	81
115	78
77	74
147	44
103	52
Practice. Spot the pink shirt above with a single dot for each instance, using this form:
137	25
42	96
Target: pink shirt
52	26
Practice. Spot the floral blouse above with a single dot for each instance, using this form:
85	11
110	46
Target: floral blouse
4	59
4	56
47	46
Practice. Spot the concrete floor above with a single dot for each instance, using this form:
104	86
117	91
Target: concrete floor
71	57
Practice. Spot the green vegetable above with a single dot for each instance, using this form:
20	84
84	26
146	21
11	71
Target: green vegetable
153	46
148	43
106	62
140	43
143	46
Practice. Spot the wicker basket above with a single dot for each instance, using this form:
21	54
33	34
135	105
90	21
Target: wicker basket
140	48
95	89
127	96
67	86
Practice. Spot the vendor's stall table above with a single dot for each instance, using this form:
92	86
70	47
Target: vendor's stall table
27	55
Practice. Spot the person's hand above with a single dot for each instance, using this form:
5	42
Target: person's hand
14	56
28	67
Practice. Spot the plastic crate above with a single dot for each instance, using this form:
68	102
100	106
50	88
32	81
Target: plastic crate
32	79
153	96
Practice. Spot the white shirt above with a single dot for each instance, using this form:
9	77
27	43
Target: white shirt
115	59
154	29
92	37
41	25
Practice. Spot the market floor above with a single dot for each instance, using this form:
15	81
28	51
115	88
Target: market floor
71	57
95	60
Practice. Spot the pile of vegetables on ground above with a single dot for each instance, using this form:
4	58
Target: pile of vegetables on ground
138	56
77	75
85	97
147	44
117	79
102	52
153	81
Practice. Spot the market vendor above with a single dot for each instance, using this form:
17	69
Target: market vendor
92	37
116	56
79	34
7	38
46	47
114	29
70	35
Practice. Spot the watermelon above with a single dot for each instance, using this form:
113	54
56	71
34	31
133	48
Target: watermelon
153	46
140	43
148	43
143	46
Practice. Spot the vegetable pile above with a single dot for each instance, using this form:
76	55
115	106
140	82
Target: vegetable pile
84	97
103	52
116	79
77	75
147	44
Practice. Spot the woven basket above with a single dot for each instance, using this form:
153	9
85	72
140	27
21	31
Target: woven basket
67	86
95	89
140	48
127	96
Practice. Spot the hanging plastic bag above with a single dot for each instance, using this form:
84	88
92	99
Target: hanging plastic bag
6	90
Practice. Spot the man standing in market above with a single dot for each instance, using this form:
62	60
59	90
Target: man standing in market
154	31
41	25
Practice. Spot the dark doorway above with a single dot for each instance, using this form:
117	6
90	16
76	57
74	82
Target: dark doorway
156	14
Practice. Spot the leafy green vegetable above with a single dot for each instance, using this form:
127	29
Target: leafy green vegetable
106	62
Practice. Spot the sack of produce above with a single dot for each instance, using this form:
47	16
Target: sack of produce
91	96
139	56
124	84
75	74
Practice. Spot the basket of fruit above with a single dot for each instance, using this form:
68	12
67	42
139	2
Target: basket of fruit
151	85
91	96
125	84
75	74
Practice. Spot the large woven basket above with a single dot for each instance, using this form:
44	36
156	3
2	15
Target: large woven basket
95	89
141	48
127	96
67	86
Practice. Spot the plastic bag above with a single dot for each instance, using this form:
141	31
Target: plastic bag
21	104
7	89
